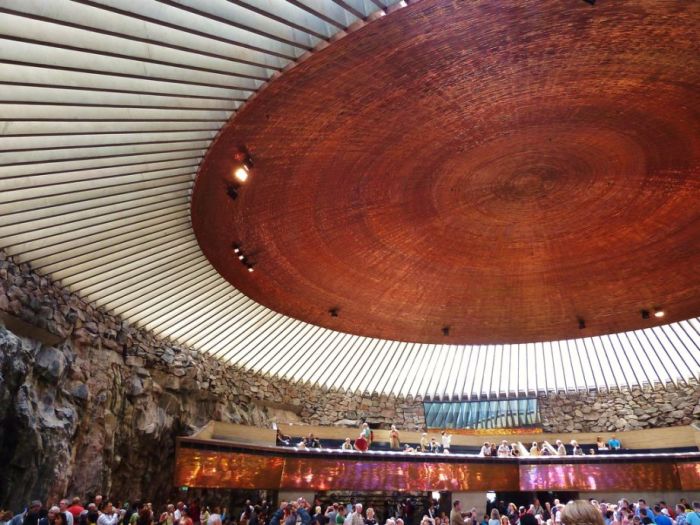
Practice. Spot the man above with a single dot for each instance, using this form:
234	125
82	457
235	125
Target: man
614	443
178	511
537	508
357	518
456	517
486	450
76	509
446	441
504	449
642	505
340	515
63	507
31	517
693	518
108	516
311	442
662	517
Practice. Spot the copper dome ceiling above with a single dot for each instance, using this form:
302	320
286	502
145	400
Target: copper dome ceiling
499	169
109	106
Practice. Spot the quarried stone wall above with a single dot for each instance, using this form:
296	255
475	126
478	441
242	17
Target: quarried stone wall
620	411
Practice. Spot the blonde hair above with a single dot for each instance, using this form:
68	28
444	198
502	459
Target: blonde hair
581	512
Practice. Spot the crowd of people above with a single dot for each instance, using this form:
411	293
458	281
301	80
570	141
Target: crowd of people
102	512
402	512
442	445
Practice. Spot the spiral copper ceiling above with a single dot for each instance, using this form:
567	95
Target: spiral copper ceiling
502	169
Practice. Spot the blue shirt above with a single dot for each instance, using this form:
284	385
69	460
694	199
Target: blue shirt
662	519
692	518
614	443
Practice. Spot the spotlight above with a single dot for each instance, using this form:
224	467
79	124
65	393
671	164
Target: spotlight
334	312
241	256
581	324
236	248
658	312
250	267
241	173
445	330
645	314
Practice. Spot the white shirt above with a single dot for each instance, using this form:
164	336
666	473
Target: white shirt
446	439
108	519
214	519
503	451
485	451
177	515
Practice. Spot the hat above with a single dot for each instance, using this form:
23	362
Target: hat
664	511
35	503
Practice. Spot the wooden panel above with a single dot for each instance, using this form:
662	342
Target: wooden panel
682	436
501	168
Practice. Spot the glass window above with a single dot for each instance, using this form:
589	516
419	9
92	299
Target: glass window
503	413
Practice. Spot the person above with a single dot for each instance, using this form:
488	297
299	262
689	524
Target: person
576	450
424	443
515	450
31	517
614	443
367	433
109	516
446	441
527	518
311	442
495	517
5	517
561	449
178	511
485	450
494	450
361	443
394	440
185	519
340	515
282	440
63	507
645	517
347	444
168	516
693	518
433	446
370	519
504	449
76	509
680	514
512	514
534	450
456	517
505	520
580	512
59	519
537	508
600	444
662	518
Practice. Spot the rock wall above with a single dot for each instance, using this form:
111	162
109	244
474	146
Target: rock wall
620	411
96	406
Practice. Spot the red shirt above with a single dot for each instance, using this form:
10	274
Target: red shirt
75	510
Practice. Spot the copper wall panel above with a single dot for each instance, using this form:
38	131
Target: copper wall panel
343	474
599	476
689	475
216	469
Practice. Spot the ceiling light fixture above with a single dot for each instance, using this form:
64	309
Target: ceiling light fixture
251	269
658	312
241	173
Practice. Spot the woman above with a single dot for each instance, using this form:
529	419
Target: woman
515	449
534	449
561	449
446	441
505	520
581	512
576	449
347	444
361	443
367	433
495	517
513	514
60	519
494	450
394	441
370	519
